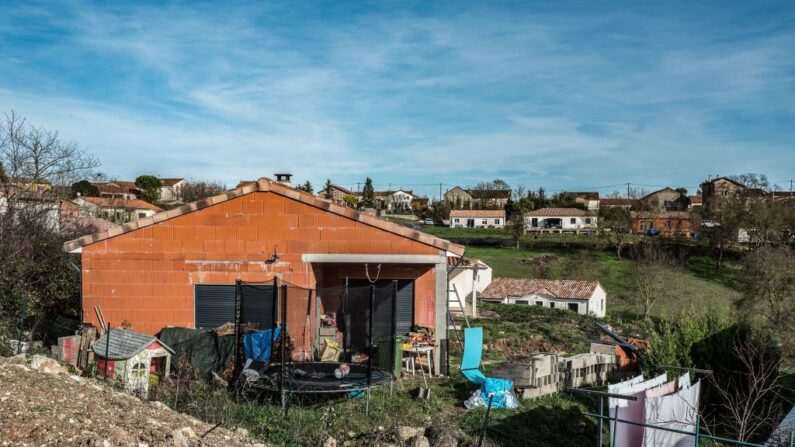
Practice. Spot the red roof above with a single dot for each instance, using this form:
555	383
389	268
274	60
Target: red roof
478	213
558	212
501	288
267	185
616	202
128	204
695	199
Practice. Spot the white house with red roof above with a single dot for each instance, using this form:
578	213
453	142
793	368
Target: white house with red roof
583	297
560	219
477	218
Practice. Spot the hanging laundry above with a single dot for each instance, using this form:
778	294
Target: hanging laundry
676	411
628	435
617	388
684	381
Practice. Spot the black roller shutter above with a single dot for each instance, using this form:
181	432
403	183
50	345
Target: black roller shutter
359	304
257	305
405	306
215	305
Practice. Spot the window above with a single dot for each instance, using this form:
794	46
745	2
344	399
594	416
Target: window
485	221
455	220
574	306
496	221
139	369
540	303
535	222
522	302
552	304
573	220
141	215
588	220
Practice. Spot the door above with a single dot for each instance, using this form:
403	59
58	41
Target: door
357	309
470	223
215	305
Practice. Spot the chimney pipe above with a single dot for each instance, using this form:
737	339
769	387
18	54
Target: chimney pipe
283	178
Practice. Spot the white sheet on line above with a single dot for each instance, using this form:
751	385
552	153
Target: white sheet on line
676	411
617	388
628	410
684	381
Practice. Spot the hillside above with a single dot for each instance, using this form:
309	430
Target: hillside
697	287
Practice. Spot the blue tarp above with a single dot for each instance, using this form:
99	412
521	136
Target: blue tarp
257	345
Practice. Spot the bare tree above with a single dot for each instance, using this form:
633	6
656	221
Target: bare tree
721	223
195	190
619	223
748	396
33	156
516	227
648	274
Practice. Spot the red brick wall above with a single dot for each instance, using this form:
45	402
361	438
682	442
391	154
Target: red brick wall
147	276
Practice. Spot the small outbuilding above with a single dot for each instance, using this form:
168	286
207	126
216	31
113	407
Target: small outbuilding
136	360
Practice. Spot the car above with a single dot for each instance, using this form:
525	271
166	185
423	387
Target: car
428	221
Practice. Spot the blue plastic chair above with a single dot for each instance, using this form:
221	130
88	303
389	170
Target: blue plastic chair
470	368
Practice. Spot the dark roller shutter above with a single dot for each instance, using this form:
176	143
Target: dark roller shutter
257	305
215	305
405	306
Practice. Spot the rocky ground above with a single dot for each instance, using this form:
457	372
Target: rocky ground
41	404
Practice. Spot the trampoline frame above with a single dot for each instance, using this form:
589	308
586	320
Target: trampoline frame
280	294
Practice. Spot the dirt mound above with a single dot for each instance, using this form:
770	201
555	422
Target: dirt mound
40	408
523	346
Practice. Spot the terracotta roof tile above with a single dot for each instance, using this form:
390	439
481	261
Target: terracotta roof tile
617	202
565	289
263	185
478	213
129	204
558	212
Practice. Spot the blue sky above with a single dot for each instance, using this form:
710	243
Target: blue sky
568	95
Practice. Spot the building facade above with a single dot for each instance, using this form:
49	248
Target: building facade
583	297
560	219
477	218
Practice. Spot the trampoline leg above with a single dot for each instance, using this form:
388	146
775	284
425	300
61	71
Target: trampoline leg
367	406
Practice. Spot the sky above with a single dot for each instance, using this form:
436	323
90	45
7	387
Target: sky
566	95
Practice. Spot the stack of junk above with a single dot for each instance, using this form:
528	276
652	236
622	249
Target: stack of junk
542	374
671	405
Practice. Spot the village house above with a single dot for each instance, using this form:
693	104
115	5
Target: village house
466	278
583	297
617	203
395	201
590	200
171	191
714	189
117	189
115	209
180	267
666	199
559	219
338	194
460	198
662	223
695	202
477	218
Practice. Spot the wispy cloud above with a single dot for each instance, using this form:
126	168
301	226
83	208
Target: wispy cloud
536	94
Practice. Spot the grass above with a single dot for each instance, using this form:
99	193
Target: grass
697	287
466	233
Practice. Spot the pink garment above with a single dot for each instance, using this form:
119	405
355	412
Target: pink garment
628	435
676	411
662	390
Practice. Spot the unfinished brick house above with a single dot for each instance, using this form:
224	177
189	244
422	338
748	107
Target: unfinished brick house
179	267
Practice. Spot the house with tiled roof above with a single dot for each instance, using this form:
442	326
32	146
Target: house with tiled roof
617	202
477	218
182	267
583	297
459	197
115	209
560	219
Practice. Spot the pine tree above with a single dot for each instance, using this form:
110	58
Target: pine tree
307	187
328	190
368	194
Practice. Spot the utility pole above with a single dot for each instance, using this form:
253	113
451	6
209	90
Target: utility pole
357	187
628	190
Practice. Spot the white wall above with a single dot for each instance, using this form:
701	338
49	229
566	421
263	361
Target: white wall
566	221
460	281
480	222
596	305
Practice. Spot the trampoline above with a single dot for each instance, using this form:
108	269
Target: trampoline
315	377
287	377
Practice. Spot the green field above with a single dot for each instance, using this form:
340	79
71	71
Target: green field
698	287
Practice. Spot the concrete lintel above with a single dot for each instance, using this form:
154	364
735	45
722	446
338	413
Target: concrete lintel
77	250
371	259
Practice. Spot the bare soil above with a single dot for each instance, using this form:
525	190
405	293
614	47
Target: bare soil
41	409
